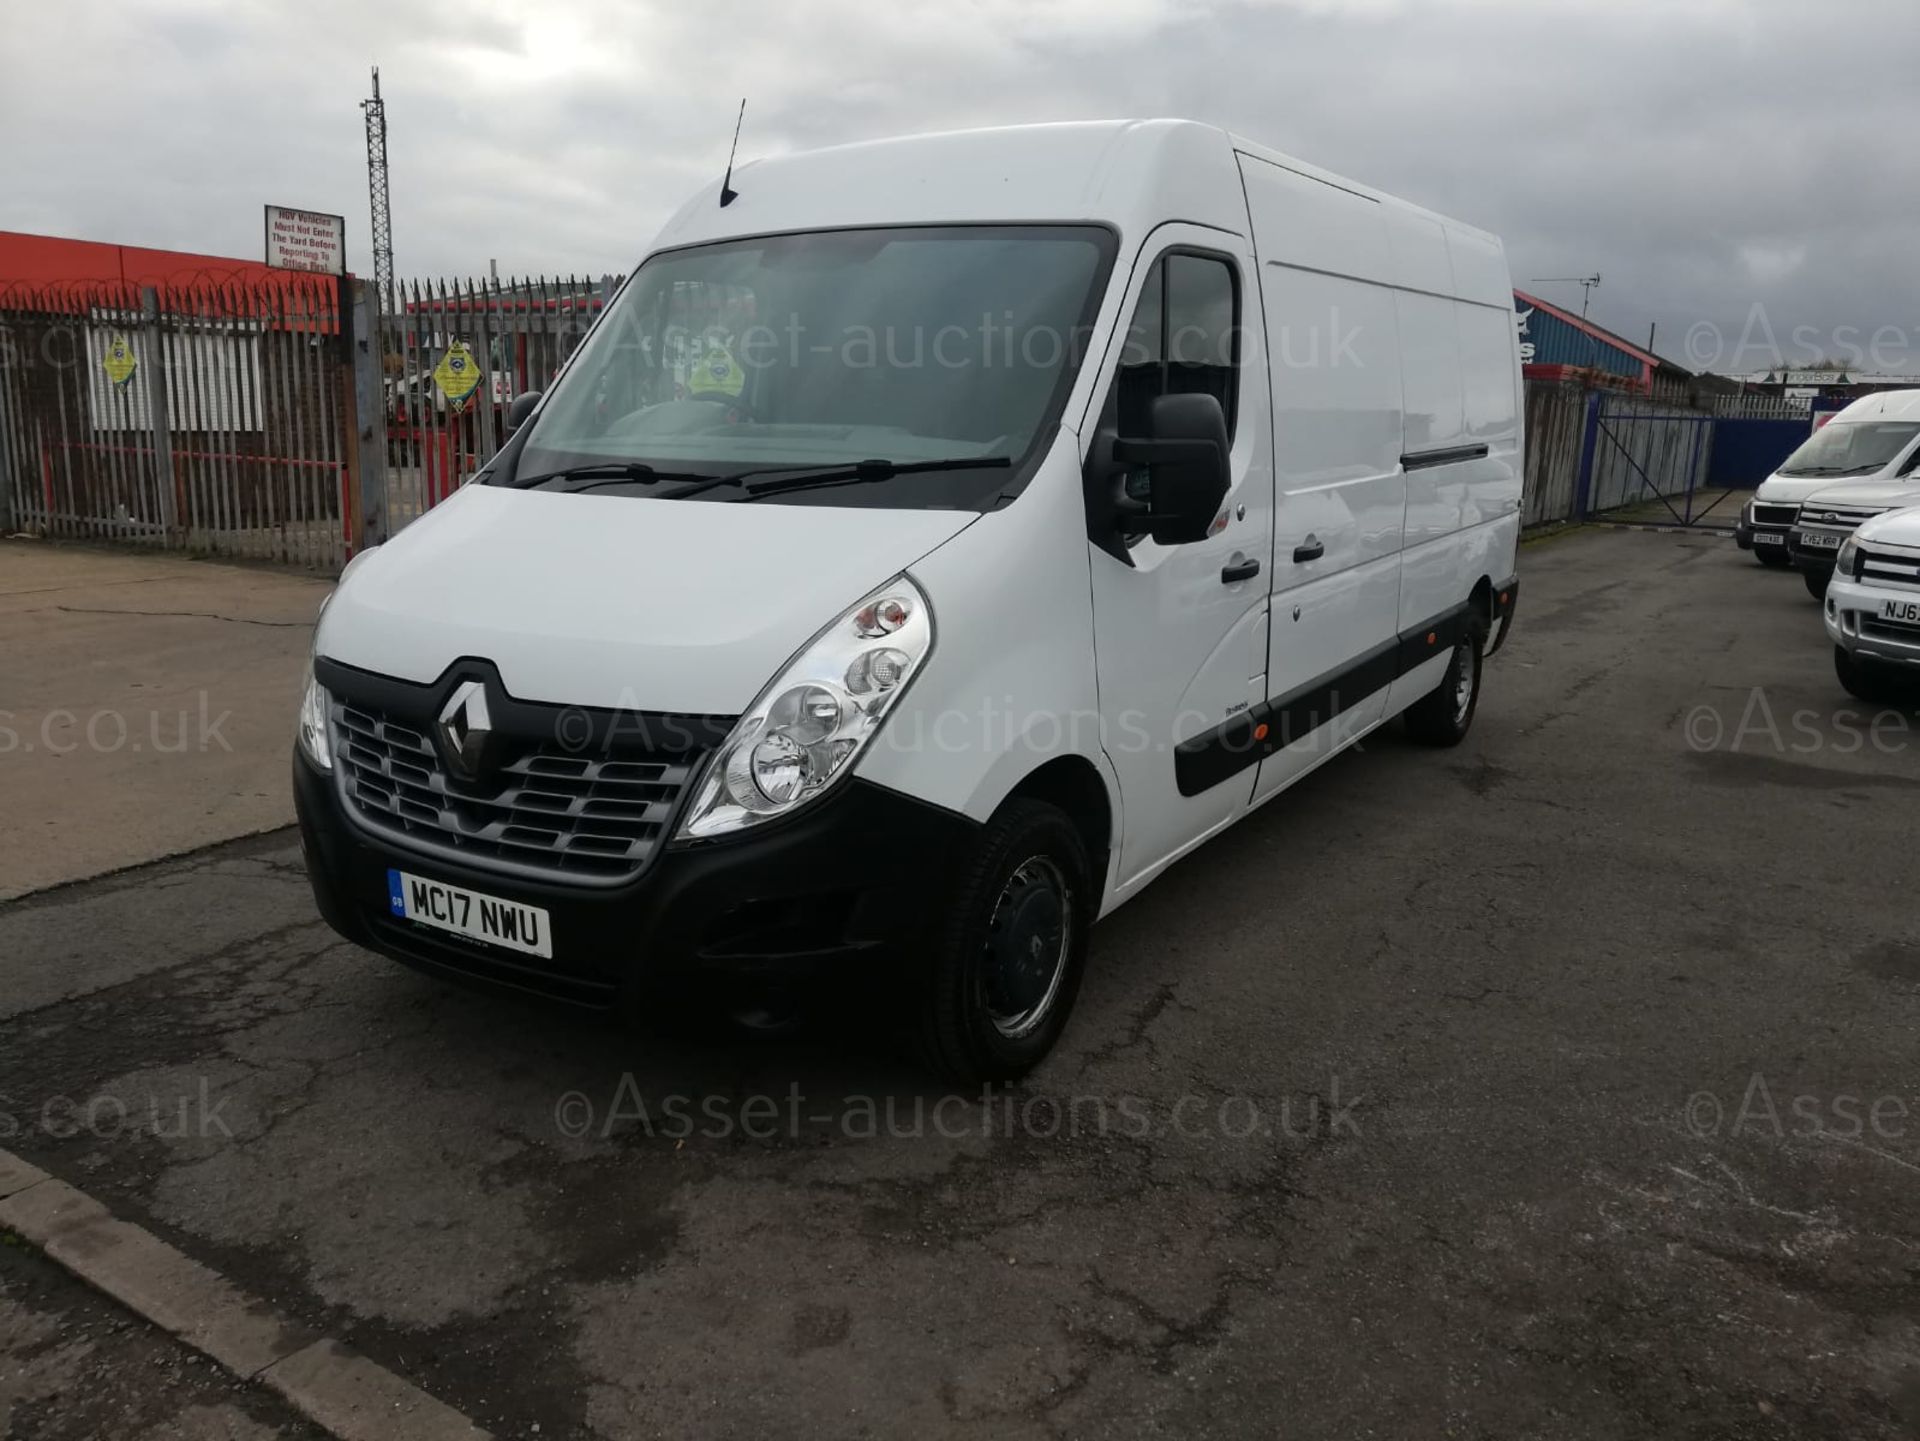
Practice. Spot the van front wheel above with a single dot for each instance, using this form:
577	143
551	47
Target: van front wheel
1007	960
1443	716
1865	681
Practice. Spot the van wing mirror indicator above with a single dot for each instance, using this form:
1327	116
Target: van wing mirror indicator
1186	460
522	407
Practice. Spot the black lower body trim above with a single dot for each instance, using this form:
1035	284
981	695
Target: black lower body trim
1253	735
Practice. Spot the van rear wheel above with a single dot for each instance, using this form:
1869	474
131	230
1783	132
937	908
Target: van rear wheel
1443	716
1007	958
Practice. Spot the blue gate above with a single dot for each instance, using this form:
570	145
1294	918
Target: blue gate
1646	463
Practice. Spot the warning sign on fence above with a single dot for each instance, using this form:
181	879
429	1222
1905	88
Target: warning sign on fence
306	240
119	362
457	375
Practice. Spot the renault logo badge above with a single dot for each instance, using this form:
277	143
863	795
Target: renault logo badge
466	730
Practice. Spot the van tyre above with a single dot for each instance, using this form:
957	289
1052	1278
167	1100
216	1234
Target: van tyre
1817	582
1443	716
1865	681
1007	959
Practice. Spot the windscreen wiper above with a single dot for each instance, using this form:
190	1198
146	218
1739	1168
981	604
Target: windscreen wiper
604	471
858	473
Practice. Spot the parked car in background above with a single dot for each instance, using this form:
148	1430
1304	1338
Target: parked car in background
1873	607
1834	512
893	667
1877	438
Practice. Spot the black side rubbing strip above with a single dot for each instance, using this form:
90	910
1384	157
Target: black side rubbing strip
1446	455
1206	760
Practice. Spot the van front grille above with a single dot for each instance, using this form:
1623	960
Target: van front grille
544	812
1765	514
1835	517
1889	568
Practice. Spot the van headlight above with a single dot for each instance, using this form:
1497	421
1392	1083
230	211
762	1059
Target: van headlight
314	742
803	733
1844	557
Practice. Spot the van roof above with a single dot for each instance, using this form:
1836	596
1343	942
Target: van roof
1131	174
1882	405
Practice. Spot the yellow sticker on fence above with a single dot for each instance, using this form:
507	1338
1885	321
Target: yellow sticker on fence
457	374
119	362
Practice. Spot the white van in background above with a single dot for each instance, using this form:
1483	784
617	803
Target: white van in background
1054	498
1800	514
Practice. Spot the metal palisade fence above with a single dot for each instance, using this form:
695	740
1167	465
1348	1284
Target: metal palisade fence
210	417
286	418
454	355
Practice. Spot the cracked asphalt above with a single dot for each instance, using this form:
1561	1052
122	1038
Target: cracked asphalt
1560	1085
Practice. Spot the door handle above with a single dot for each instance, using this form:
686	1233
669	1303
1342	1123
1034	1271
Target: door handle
1239	571
1308	549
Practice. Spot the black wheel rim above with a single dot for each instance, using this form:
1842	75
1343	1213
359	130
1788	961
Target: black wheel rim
1029	937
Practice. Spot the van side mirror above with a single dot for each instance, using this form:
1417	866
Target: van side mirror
522	407
1186	460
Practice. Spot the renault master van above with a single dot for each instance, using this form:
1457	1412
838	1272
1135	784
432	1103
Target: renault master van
1800	515
933	542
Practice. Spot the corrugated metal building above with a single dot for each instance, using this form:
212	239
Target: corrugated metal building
1555	344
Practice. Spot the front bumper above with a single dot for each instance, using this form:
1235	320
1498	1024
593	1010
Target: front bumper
1851	613
1767	536
851	880
1819	560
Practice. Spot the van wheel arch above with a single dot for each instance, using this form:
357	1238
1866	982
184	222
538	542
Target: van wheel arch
1480	602
1074	785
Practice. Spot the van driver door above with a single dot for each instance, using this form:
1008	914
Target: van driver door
1181	630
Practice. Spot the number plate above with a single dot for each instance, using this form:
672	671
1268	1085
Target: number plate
462	912
1814	540
1768	537
1906	612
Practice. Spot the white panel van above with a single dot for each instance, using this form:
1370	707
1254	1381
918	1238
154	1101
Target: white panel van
933	542
1875	440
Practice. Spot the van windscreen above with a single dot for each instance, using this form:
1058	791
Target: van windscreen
825	349
1850	448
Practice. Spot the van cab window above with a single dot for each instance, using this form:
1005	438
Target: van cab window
1183	339
779	356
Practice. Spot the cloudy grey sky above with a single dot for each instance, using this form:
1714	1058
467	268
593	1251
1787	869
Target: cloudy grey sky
1707	157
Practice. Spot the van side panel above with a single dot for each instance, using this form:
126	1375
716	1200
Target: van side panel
1326	258
1479	269
1462	517
1336	470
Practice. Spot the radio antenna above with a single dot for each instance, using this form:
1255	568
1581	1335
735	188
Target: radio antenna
727	193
